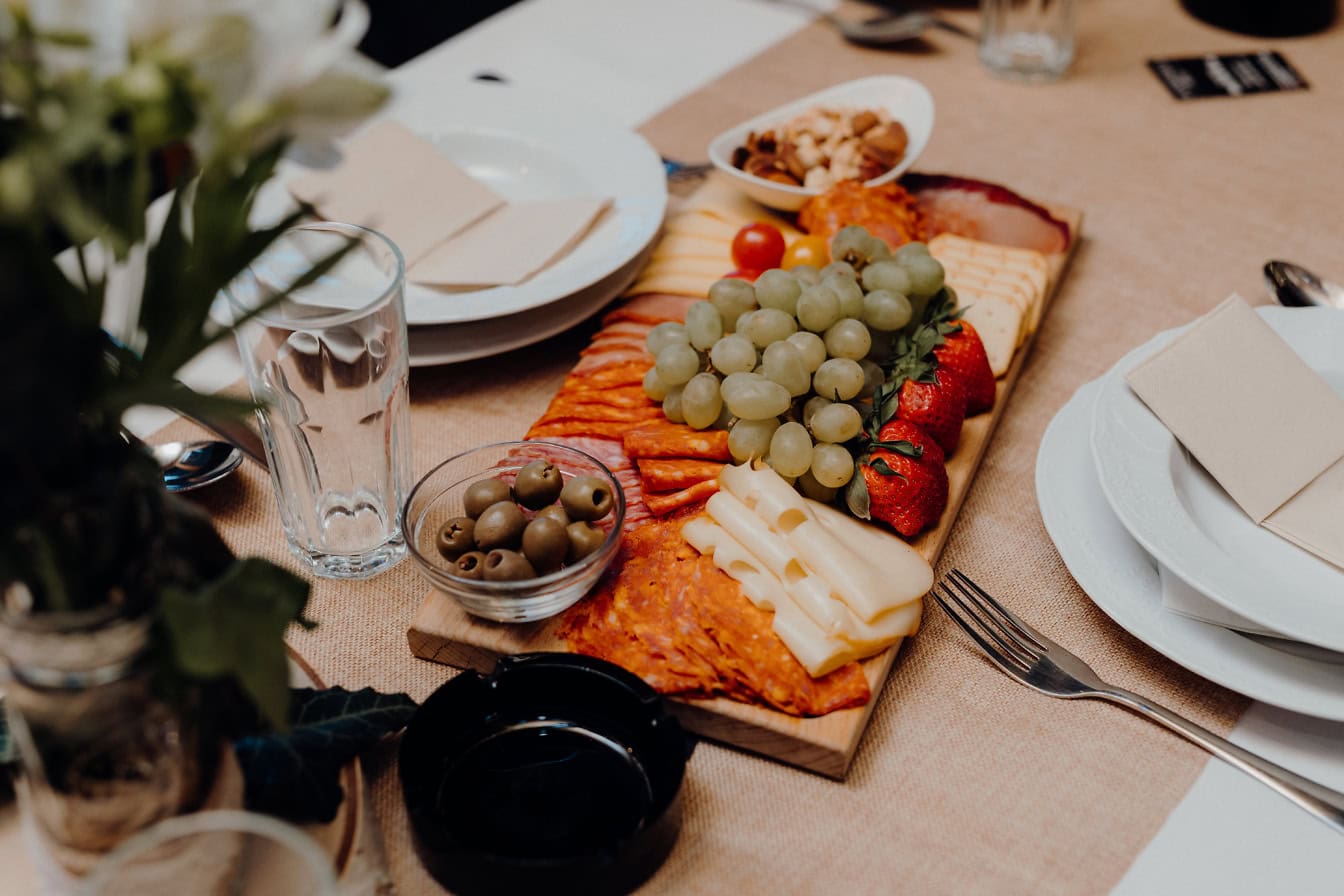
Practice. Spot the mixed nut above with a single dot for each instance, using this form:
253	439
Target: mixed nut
824	146
496	541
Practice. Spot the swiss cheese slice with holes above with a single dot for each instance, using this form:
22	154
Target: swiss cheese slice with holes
999	323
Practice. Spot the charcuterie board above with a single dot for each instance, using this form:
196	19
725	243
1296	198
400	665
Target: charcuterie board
443	632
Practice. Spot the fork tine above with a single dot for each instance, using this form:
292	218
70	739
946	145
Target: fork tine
1004	661
1005	615
1011	644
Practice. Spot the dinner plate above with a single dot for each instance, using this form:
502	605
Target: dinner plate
1122	580
1181	516
526	145
452	343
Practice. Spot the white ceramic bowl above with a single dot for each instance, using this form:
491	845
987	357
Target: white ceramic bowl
905	99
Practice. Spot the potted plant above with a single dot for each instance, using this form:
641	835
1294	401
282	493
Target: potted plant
128	627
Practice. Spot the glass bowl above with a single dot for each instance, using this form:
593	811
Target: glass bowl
438	496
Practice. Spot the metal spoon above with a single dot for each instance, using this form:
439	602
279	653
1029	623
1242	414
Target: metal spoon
191	465
886	29
1295	286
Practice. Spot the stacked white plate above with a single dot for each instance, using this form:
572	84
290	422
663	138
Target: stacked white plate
1125	504
526	144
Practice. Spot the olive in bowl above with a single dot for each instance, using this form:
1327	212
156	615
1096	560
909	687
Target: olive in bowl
469	577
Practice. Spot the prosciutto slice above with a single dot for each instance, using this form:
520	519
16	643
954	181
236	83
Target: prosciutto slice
985	211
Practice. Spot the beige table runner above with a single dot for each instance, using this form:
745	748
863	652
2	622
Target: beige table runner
965	782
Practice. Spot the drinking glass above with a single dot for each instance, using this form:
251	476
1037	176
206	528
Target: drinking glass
1026	40
328	361
225	852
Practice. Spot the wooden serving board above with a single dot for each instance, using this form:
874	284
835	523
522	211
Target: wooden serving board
443	632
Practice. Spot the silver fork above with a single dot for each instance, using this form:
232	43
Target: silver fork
1039	663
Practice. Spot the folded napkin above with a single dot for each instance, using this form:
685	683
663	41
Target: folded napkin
453	231
1266	426
1179	597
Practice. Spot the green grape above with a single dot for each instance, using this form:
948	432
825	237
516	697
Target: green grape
790	450
926	275
810	347
884	310
850	245
750	439
848	338
818	308
733	353
832	465
701	401
886	275
704	325
850	293
733	297
911	250
672	405
767	325
806	274
839	379
811	488
877	250
654	387
665	334
841	269
777	288
677	363
812	406
751	396
873	376
783	364
834	423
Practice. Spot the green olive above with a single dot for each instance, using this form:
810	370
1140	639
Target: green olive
586	498
455	538
500	526
554	512
545	544
537	485
507	566
470	565
584	539
480	495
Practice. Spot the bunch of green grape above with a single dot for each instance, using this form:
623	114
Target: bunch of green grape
789	365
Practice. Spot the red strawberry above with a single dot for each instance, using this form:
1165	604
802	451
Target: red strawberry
963	352
936	402
903	481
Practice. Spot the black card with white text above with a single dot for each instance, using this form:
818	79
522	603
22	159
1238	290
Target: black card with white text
1235	74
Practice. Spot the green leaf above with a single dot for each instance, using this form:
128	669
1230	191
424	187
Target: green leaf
900	446
235	626
296	775
857	498
8	752
883	468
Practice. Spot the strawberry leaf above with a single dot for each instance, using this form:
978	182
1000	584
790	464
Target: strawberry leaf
903	447
884	469
857	499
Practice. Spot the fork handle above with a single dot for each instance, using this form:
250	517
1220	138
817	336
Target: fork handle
1321	801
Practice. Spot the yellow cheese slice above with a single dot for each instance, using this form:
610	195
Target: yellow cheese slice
685	245
769	497
898	559
738	521
999	324
676	284
701	224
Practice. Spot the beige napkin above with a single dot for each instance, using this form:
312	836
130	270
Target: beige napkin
511	244
1266	426
391	180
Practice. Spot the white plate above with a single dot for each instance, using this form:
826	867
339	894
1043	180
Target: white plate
451	343
1122	580
529	146
907	100
1181	516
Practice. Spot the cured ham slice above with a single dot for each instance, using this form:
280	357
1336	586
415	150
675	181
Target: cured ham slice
986	212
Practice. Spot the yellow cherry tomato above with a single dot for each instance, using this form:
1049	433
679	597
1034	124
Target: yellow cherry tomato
806	250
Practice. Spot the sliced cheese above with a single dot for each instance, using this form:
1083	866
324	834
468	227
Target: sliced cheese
768	496
899	561
685	245
674	283
999	324
861	585
737	519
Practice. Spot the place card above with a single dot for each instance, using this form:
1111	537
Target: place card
1233	74
394	182
510	244
1266	426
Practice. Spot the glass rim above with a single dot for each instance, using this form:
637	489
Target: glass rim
214	821
321	321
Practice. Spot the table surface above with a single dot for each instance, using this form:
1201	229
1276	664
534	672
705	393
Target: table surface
1185	202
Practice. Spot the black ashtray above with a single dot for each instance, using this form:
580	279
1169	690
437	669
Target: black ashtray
556	772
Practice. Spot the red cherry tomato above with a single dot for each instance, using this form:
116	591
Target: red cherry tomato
747	274
807	250
758	247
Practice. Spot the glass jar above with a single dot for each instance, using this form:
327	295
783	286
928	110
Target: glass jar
102	755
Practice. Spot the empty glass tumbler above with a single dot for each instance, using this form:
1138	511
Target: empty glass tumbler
327	357
1027	40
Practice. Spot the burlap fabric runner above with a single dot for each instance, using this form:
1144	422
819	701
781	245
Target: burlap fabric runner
965	781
